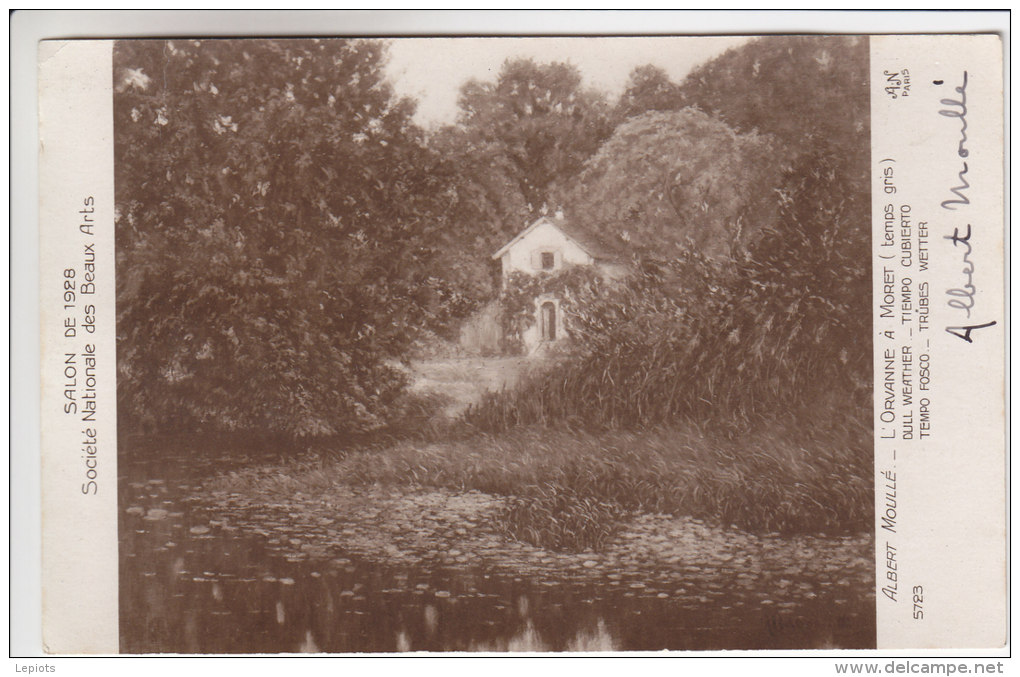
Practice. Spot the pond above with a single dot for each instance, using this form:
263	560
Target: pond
201	573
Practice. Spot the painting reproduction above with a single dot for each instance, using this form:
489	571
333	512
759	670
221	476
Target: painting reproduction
494	344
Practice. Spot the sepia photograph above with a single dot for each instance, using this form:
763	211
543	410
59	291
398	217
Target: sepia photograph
494	344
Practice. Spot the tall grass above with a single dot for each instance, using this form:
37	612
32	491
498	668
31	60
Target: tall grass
554	516
646	357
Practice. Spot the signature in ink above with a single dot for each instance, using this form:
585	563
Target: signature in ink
958	109
963	296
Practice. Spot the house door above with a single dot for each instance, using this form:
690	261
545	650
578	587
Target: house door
548	321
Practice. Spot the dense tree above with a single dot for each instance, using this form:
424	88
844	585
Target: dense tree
481	208
670	181
539	121
808	273
811	92
649	88
285	231
273	234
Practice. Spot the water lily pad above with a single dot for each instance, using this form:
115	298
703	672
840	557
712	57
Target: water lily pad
199	530
135	510
156	514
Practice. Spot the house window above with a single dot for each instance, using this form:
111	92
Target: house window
548	260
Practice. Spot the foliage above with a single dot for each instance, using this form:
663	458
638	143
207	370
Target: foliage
275	235
649	88
668	182
772	329
810	92
538	122
480	208
520	138
286	234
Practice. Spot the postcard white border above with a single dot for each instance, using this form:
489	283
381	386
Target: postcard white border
29	27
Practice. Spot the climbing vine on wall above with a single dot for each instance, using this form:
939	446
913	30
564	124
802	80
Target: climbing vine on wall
571	286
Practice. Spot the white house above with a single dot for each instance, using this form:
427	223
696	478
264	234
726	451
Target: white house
544	247
547	246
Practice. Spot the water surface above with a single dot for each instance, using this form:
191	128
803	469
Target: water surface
200	575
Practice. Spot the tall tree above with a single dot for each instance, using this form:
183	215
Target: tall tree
649	88
540	119
779	176
273	207
811	92
480	208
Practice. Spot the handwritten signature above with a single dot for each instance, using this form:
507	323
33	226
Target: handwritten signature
962	297
958	109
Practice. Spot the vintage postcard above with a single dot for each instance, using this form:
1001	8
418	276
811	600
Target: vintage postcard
523	344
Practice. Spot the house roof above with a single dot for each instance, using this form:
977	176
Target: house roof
585	241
